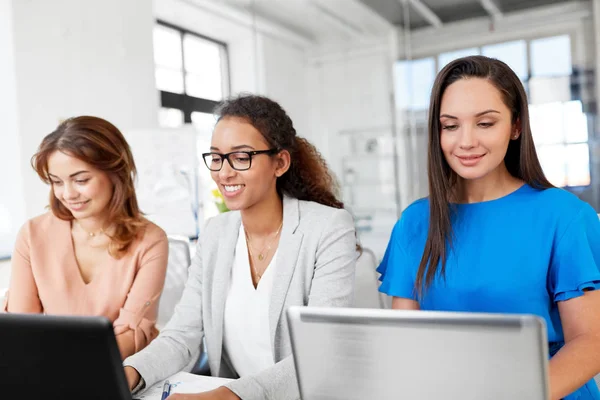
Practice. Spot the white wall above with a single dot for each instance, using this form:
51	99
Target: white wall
12	204
285	73
74	58
352	91
351	95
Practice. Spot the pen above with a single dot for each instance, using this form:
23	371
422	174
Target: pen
166	390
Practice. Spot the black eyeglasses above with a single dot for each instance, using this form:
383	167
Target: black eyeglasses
238	160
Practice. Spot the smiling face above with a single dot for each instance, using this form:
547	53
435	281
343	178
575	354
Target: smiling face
476	128
84	190
244	189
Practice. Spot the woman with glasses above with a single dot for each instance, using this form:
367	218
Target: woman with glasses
288	241
494	235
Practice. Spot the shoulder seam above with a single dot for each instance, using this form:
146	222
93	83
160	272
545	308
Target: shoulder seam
562	235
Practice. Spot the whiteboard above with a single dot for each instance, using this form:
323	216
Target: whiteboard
168	185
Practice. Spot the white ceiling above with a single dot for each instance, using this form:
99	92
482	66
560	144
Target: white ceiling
332	21
321	21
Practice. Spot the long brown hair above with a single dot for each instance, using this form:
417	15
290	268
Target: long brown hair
308	177
101	145
521	159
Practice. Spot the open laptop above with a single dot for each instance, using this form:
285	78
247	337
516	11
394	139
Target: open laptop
60	357
389	354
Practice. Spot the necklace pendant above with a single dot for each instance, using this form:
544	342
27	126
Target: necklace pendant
261	257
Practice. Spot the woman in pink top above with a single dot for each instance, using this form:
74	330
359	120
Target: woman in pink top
94	253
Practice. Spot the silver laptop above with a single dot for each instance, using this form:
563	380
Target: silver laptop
389	354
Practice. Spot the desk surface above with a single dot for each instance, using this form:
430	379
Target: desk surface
183	382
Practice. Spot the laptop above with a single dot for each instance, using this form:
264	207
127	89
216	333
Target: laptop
60	357
343	353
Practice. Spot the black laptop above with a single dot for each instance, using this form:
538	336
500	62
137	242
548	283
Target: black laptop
60	357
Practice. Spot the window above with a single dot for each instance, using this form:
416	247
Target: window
551	56
560	133
414	80
191	73
514	54
558	123
445	58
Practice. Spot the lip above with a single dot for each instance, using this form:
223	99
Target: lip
78	206
231	195
470	160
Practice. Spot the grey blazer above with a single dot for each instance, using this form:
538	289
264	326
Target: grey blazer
316	267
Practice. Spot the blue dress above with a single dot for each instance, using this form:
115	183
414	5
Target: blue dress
521	253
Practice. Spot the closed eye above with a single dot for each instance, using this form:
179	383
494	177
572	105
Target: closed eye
450	127
486	124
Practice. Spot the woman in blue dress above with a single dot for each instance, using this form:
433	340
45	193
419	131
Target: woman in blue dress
494	235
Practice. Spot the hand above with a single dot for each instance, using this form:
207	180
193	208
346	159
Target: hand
221	393
133	377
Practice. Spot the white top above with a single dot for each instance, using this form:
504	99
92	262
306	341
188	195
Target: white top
247	339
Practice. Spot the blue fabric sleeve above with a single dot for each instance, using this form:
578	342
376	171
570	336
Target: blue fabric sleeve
396	269
574	267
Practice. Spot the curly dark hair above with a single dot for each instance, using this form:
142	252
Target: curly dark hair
308	177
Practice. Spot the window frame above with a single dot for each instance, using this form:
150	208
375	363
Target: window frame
184	102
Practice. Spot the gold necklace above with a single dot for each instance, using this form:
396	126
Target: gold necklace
91	234
256	278
262	254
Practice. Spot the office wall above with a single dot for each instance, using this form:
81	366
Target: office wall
351	90
12	201
72	58
350	94
285	72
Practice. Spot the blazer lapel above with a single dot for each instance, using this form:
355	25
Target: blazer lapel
221	278
287	256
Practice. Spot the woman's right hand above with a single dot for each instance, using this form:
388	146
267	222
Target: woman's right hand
133	377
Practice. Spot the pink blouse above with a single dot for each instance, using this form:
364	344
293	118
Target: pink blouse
45	276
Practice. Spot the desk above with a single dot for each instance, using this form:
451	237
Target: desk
183	382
